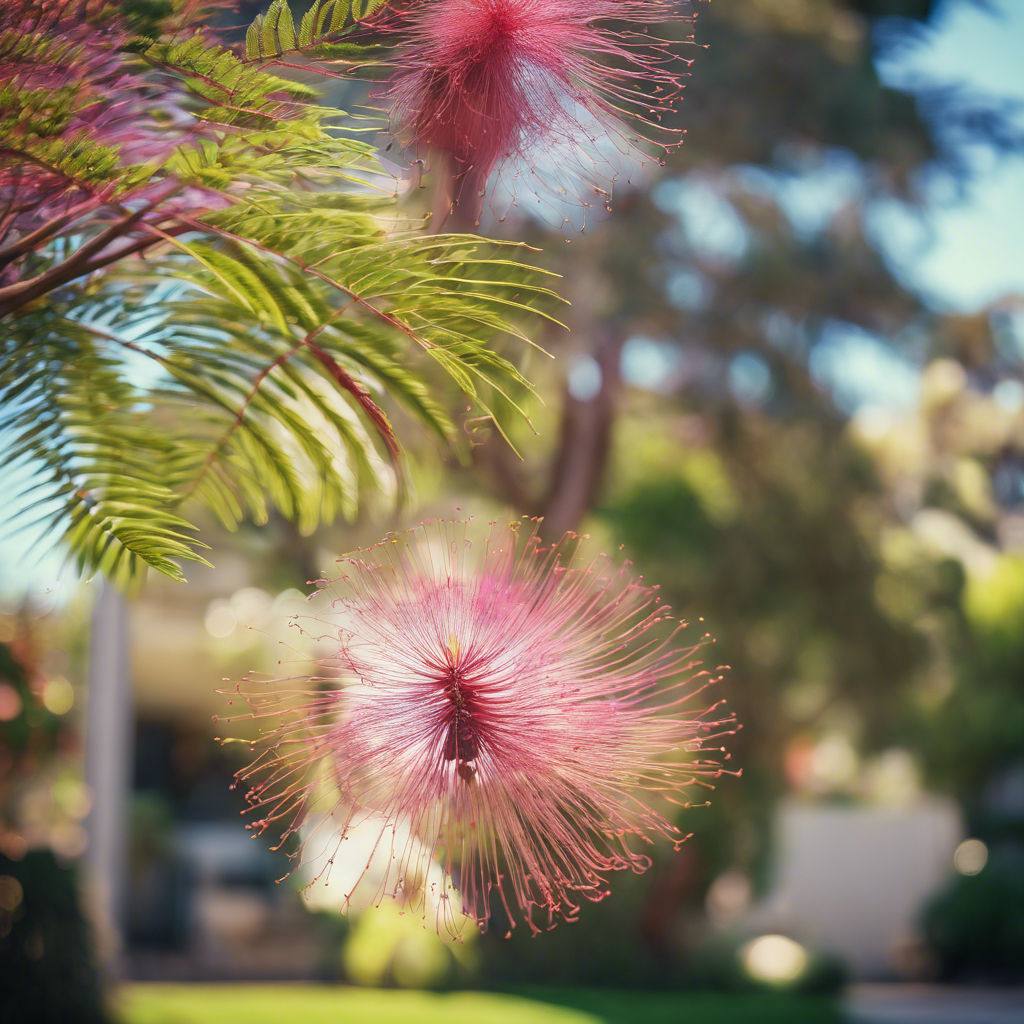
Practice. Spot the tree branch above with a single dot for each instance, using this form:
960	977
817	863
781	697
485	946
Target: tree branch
15	296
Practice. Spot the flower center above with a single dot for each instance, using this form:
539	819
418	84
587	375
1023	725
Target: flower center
461	743
496	25
503	23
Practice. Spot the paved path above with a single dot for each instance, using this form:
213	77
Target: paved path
933	1004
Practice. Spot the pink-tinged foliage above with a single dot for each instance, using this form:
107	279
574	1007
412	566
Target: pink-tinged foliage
75	81
44	53
85	126
503	83
511	722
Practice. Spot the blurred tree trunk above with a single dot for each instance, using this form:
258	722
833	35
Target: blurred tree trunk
108	768
576	472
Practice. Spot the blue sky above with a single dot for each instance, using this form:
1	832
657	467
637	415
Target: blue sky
977	253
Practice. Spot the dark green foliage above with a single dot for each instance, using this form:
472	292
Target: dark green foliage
664	518
716	965
33	731
976	927
47	974
755	539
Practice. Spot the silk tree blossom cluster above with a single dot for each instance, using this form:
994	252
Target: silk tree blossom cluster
514	724
543	87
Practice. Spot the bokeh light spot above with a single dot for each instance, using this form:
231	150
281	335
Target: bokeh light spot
220	618
10	703
970	857
774	958
58	696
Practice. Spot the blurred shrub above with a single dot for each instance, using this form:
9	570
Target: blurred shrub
976	927
719	964
994	604
30	731
388	947
47	972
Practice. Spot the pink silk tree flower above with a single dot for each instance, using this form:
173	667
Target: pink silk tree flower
502	717
490	84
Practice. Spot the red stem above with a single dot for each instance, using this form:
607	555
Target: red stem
44	232
15	296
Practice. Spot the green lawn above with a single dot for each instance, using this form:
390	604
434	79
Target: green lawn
309	1004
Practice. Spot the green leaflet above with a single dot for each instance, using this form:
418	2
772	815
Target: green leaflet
272	35
238	416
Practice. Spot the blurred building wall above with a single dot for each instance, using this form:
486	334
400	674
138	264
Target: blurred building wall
853	879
